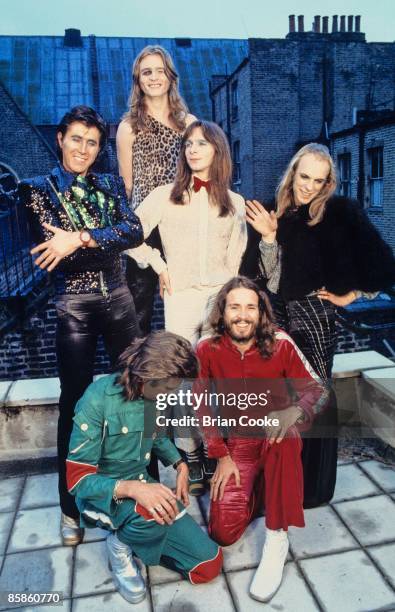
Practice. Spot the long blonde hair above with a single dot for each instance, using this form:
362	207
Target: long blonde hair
284	193
137	112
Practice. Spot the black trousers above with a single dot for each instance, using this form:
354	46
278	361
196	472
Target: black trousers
142	283
81	320
311	324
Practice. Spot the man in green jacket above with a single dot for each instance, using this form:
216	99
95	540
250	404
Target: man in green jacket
110	449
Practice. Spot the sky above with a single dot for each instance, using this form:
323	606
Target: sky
185	18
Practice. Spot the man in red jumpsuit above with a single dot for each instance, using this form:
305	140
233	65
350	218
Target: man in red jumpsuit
246	345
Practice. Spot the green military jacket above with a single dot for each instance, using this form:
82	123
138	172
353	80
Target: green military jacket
112	439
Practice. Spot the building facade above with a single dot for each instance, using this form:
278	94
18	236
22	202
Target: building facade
303	88
365	157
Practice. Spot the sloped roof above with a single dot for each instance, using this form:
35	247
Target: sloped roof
46	77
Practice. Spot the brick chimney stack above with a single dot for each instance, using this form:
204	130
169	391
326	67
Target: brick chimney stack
291	23
300	23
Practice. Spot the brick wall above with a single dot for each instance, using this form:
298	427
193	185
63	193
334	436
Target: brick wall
384	136
294	86
384	219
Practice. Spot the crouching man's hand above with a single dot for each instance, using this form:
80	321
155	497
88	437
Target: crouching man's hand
286	419
226	468
182	483
159	500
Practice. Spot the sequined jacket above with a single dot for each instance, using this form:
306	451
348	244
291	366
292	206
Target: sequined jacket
95	270
112	439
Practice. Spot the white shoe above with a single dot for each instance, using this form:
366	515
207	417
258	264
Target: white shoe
269	572
125	571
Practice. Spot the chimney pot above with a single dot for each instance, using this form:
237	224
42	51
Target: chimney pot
317	24
342	23
335	27
358	23
350	23
291	23
325	21
72	38
300	23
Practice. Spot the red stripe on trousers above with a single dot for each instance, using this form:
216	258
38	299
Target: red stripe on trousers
207	570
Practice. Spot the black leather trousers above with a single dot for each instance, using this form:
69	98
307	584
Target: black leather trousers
81	320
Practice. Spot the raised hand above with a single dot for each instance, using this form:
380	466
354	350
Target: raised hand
263	222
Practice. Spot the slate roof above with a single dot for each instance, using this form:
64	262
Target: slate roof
46	77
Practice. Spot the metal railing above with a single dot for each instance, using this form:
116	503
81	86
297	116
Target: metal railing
21	282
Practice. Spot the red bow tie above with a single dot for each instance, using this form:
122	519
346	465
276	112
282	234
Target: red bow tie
198	183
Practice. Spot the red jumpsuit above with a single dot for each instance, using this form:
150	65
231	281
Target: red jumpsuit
270	471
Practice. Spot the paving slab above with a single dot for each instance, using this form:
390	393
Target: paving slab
348	581
91	572
66	607
6	519
38	571
183	596
292	595
247	551
39	491
351	483
384	556
34	392
161	575
36	528
194	510
324	532
10	489
108	603
167	476
371	520
382	474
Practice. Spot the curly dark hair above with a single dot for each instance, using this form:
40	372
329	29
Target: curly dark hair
265	332
158	356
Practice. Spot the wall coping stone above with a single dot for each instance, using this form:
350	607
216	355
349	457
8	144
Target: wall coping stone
347	365
382	379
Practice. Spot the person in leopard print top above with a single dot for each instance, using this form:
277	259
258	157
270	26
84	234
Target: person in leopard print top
148	143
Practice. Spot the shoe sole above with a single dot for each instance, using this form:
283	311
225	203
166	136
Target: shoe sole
264	599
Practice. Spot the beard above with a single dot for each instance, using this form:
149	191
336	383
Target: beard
240	337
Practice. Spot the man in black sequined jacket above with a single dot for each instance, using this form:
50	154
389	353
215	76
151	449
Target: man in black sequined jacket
82	222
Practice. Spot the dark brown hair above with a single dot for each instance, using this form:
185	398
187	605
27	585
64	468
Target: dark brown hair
265	332
220	171
158	356
137	112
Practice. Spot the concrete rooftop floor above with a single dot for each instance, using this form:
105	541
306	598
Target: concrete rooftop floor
344	560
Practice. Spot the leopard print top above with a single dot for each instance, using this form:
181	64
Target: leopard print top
155	153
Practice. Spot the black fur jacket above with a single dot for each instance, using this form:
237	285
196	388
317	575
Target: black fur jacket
343	252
